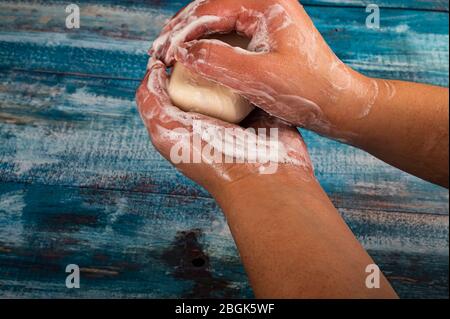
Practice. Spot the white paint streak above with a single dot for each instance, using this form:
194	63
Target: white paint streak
56	40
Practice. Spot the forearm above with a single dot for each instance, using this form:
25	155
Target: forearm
293	242
407	126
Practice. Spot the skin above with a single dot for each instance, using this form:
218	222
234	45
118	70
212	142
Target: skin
408	130
293	242
292	74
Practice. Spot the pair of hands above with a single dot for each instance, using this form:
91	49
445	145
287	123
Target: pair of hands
289	72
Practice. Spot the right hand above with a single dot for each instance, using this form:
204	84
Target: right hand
284	155
290	73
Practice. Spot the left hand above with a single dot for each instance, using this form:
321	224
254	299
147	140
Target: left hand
172	130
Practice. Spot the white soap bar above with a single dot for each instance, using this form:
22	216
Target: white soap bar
193	93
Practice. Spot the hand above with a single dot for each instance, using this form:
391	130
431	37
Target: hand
289	71
210	162
279	222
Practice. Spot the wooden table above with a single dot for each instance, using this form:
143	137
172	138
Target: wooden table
81	184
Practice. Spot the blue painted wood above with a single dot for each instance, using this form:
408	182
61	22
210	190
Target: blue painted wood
80	182
436	5
175	5
410	45
134	244
126	244
84	132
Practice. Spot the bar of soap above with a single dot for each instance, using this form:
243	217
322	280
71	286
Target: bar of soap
193	93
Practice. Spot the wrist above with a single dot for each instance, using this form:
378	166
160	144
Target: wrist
349	112
235	195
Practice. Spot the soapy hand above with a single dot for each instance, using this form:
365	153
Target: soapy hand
288	70
212	152
279	221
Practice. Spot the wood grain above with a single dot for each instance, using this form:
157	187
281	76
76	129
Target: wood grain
131	243
66	130
113	41
175	5
80	182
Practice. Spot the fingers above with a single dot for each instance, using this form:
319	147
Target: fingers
287	135
152	96
256	19
198	18
247	73
170	127
232	67
164	47
166	123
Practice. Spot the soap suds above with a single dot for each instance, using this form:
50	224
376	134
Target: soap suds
261	28
230	140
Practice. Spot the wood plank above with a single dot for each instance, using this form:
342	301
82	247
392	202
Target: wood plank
80	182
435	5
157	238
64	130
401	270
126	244
410	45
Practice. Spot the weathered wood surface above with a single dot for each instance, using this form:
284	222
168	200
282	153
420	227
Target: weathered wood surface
80	182
411	45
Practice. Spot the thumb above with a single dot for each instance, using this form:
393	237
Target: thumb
286	134
233	67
